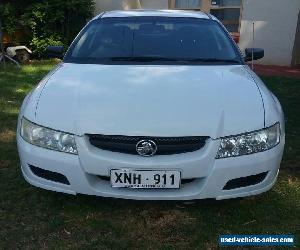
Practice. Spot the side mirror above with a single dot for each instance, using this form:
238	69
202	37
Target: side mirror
55	52
257	54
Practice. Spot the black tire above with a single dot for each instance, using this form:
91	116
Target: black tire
22	56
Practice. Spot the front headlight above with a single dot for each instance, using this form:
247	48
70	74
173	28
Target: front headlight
249	143
47	138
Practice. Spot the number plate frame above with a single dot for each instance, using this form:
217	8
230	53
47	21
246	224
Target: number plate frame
146	179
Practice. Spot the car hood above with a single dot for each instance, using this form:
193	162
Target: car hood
155	100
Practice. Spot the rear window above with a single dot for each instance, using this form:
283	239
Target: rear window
161	40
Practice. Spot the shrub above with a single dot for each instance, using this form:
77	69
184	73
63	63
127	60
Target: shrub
47	22
7	16
39	44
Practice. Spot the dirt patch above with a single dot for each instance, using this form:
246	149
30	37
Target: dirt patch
7	135
4	163
274	70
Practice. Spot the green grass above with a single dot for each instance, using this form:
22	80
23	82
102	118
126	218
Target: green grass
288	92
35	218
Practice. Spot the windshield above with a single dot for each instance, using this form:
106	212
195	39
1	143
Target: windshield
162	40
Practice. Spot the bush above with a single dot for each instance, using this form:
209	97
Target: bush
47	22
7	13
39	44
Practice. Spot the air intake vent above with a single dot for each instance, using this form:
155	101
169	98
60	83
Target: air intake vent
49	175
245	181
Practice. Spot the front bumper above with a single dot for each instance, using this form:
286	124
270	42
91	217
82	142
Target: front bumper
209	175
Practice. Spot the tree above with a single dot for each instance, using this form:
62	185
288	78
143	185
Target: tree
48	22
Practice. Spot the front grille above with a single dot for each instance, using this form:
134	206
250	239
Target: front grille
165	145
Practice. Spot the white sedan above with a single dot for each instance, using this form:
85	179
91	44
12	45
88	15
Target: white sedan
154	105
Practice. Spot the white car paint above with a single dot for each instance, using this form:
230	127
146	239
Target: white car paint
152	100
156	91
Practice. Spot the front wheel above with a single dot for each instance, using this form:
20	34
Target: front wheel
22	56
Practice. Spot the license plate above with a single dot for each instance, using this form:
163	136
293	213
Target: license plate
144	178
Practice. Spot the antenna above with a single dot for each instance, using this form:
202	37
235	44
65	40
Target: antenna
253	42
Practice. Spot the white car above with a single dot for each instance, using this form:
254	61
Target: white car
152	105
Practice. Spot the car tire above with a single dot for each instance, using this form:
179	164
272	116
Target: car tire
22	56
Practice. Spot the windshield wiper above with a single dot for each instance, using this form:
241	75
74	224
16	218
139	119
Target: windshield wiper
165	59
217	60
142	58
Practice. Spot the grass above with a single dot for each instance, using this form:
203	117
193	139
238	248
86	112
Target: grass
35	218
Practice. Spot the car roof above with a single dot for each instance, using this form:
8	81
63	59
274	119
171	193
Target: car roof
158	13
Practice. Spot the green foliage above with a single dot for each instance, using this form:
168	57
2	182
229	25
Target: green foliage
39	44
49	21
8	17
